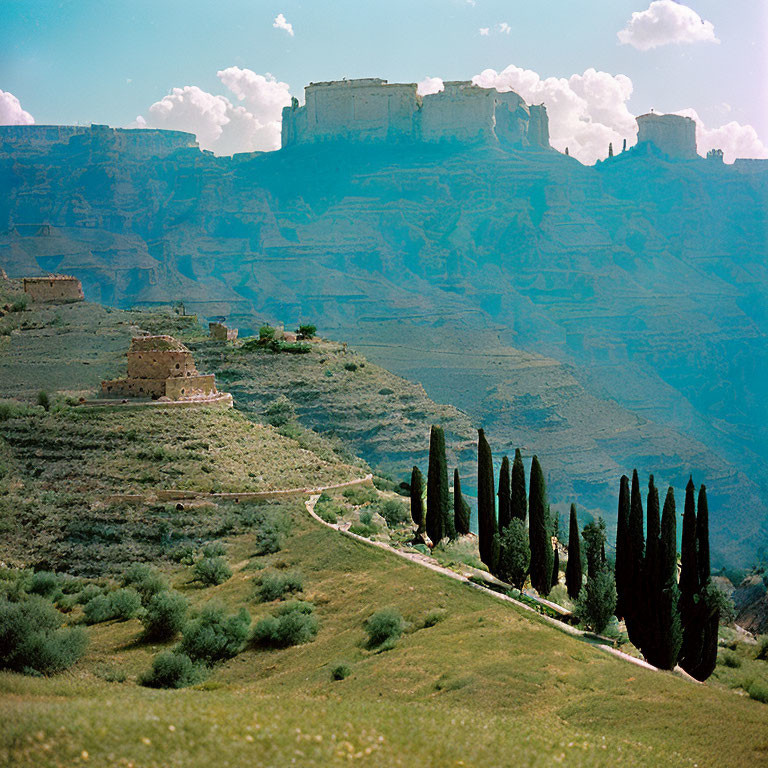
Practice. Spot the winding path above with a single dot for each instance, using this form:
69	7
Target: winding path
428	562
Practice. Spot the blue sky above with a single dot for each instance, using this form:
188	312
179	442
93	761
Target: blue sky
107	61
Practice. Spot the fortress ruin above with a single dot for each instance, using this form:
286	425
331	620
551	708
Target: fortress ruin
160	367
673	135
221	332
58	288
373	110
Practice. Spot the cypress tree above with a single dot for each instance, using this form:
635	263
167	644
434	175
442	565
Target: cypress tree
505	508
518	498
633	612
486	503
438	498
538	531
622	547
689	581
573	574
698	655
556	568
669	632
652	583
417	500
594	536
460	507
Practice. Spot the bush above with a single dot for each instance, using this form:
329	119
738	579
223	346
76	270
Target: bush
212	571
88	592
172	670
280	412
597	601
384	627
761	652
274	585
434	616
44	583
145	580
214	549
43	400
306	331
291	624
340	671
266	332
730	659
165	617
214	636
514	554
359	496
33	640
121	605
363	530
394	512
757	691
365	517
350	367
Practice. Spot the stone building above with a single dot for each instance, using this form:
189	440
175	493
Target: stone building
371	110
53	288
221	332
673	135
160	366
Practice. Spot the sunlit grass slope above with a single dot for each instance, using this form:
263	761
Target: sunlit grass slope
486	686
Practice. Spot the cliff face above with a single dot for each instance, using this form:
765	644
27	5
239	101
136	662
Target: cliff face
604	318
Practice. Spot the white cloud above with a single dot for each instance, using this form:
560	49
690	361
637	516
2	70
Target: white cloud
665	22
485	31
504	28
429	85
220	125
735	139
11	112
282	23
586	112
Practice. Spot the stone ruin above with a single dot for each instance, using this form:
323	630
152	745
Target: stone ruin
221	332
54	288
160	367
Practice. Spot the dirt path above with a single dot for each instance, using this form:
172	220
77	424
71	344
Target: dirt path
428	562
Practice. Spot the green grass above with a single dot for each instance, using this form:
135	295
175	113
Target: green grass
487	685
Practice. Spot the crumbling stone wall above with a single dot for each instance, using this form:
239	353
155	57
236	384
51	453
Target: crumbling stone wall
160	366
53	288
221	332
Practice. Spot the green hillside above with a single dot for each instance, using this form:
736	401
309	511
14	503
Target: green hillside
486	685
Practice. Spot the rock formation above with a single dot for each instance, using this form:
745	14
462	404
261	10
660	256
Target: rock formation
673	135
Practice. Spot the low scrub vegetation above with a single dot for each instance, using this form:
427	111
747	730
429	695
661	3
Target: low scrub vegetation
215	635
292	623
172	670
165	616
275	585
212	571
384	628
120	605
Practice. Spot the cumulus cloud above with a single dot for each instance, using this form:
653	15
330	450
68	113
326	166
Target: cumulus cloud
219	125
665	22
735	139
282	23
11	112
504	28
429	85
485	31
586	111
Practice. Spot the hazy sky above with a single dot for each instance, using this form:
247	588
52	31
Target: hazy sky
109	61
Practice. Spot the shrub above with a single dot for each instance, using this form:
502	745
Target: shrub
43	400
597	601
394	512
366	516
214	549
761	652
214	636
757	691
172	670
384	627
306	331
274	585
33	640
291	624
514	554
122	604
730	659
359	496
435	616
363	530
350	367
44	583
340	671
280	412
145	580
165	617
212	571
327	513
88	592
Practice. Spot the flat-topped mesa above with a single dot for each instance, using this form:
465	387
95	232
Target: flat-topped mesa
673	135
373	110
160	366
53	288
